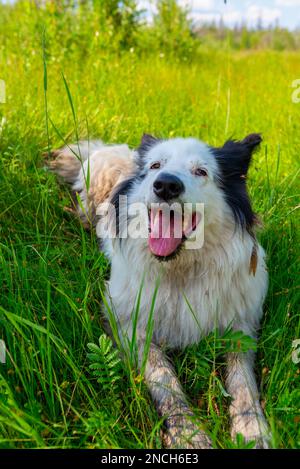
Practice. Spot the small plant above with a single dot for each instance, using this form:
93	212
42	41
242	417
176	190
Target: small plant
106	363
240	443
233	341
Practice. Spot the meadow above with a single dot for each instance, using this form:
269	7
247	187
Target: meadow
61	85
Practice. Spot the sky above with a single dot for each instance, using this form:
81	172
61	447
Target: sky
284	12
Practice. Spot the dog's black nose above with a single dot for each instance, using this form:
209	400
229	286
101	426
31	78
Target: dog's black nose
167	186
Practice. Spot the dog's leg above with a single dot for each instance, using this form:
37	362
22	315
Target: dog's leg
181	429
246	413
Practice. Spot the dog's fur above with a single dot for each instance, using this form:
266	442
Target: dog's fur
224	282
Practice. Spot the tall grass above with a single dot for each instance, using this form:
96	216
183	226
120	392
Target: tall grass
52	274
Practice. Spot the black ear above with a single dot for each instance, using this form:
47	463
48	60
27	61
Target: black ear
233	160
147	142
252	140
235	156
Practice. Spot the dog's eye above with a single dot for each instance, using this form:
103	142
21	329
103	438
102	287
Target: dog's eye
155	166
200	172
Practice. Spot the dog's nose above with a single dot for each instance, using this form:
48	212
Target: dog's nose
167	186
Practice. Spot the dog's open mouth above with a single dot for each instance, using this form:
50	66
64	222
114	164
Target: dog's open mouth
169	229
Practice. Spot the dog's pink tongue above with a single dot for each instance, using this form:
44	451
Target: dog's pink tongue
166	234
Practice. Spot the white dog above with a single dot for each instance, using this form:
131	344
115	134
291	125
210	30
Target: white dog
220	283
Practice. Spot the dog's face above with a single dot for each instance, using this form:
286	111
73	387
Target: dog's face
178	170
178	176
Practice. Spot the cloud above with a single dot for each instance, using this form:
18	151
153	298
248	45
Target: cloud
145	5
198	4
287	3
230	18
191	4
205	17
149	9
266	15
252	15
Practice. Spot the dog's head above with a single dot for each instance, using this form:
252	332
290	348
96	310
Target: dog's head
181	173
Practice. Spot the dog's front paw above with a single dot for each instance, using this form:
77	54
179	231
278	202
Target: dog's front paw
253	427
181	432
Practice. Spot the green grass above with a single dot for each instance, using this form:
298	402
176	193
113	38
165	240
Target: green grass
51	271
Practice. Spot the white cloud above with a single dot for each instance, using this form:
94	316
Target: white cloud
149	9
288	3
251	16
233	17
145	5
266	15
192	4
198	4
230	18
205	17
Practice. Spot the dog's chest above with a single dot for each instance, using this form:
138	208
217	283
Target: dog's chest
184	308
187	312
189	300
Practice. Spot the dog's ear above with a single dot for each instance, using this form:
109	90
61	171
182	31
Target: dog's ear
147	142
233	160
252	140
235	156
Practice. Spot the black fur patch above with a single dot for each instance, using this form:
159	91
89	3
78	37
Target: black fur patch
234	159
123	189
147	142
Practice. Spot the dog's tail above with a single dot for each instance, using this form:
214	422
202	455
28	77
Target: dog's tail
67	161
93	169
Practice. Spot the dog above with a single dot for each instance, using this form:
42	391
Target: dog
223	278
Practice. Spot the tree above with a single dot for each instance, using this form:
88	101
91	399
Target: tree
173	27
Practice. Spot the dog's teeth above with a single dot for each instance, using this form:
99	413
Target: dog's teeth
155	217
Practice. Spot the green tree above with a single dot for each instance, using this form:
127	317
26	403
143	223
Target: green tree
173	28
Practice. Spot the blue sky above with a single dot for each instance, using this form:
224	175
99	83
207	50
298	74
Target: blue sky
285	12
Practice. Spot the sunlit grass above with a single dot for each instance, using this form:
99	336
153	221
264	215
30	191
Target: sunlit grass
52	274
